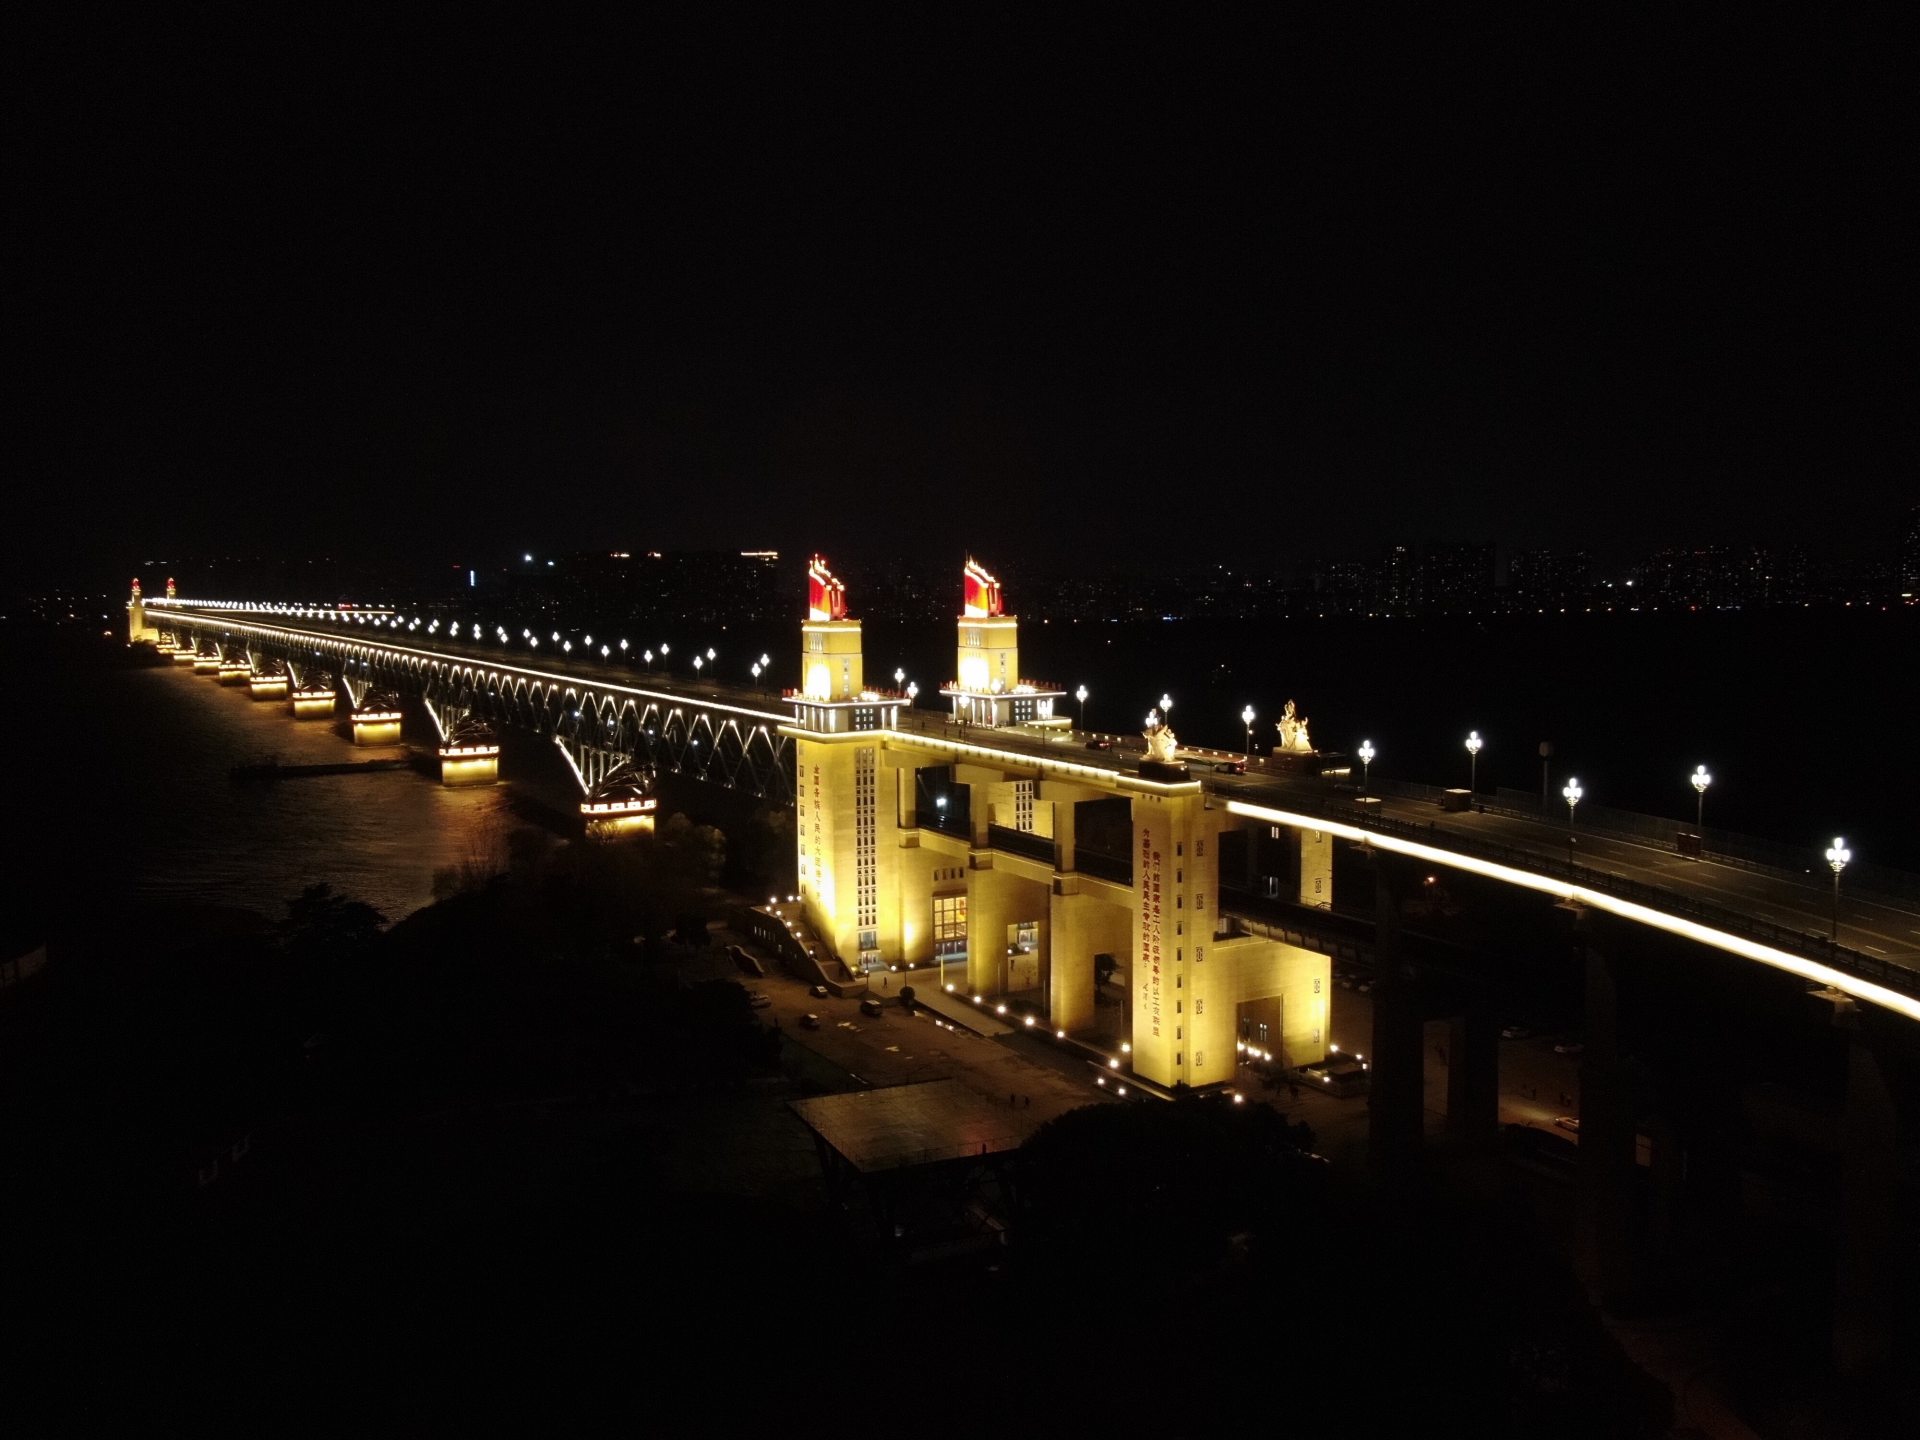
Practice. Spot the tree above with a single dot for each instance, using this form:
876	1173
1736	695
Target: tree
323	924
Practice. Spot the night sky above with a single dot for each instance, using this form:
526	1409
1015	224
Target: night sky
322	281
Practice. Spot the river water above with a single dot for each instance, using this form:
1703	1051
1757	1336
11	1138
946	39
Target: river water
124	798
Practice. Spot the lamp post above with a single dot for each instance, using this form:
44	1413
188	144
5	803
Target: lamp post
1837	856
1366	753
1701	779
697	663
1246	719
1571	793
900	677
1474	742
756	674
913	689
1081	696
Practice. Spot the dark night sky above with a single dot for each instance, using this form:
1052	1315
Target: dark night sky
310	281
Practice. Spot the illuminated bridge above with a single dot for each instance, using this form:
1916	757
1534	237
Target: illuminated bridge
1030	862
603	715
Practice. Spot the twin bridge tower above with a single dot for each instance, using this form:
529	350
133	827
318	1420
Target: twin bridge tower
984	846
987	845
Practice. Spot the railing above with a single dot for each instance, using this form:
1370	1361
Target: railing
1799	942
1021	842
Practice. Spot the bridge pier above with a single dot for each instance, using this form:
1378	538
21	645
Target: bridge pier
268	684
376	723
1605	1240
1396	1091
206	663
1473	1076
1863	1301
312	702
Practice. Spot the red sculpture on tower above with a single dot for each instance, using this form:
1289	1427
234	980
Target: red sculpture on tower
826	596
982	592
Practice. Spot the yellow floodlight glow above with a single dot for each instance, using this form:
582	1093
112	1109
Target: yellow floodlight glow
1812	970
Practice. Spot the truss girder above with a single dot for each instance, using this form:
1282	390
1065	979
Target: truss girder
599	727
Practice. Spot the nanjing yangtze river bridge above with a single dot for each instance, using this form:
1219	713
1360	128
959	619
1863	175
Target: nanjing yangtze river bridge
992	834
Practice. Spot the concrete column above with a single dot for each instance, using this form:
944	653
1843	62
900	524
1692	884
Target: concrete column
907	797
1396	1094
989	912
1063	835
1606	1241
1082	926
1869	1189
1316	868
1473	1077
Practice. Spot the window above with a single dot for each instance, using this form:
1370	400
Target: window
950	927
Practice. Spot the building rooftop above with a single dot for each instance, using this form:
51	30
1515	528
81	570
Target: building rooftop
903	1125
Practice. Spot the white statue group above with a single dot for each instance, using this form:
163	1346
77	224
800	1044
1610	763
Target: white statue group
1159	738
1293	732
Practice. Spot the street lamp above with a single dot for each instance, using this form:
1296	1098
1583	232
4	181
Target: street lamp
697	663
913	689
1837	856
1166	707
1474	742
1571	793
756	670
1081	696
899	677
1246	718
647	655
1366	753
1701	779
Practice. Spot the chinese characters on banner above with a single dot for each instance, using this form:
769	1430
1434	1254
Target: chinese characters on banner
1147	869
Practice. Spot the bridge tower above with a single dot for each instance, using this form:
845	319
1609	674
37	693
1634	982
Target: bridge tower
845	797
831	665
138	631
987	688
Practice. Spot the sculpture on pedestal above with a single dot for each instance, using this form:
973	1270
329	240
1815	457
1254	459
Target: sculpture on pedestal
1293	732
1160	740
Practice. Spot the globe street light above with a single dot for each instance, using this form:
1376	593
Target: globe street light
1837	856
1246	718
913	689
1701	779
647	655
1081	696
1366	753
1166	707
1571	793
1474	742
697	663
899	677
756	671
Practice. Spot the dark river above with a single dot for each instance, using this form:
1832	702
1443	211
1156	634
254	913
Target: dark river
120	790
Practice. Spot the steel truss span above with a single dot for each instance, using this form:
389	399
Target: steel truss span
599	722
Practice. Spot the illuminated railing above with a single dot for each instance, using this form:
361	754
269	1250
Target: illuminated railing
1540	860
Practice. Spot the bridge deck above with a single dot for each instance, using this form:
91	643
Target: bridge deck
1879	936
